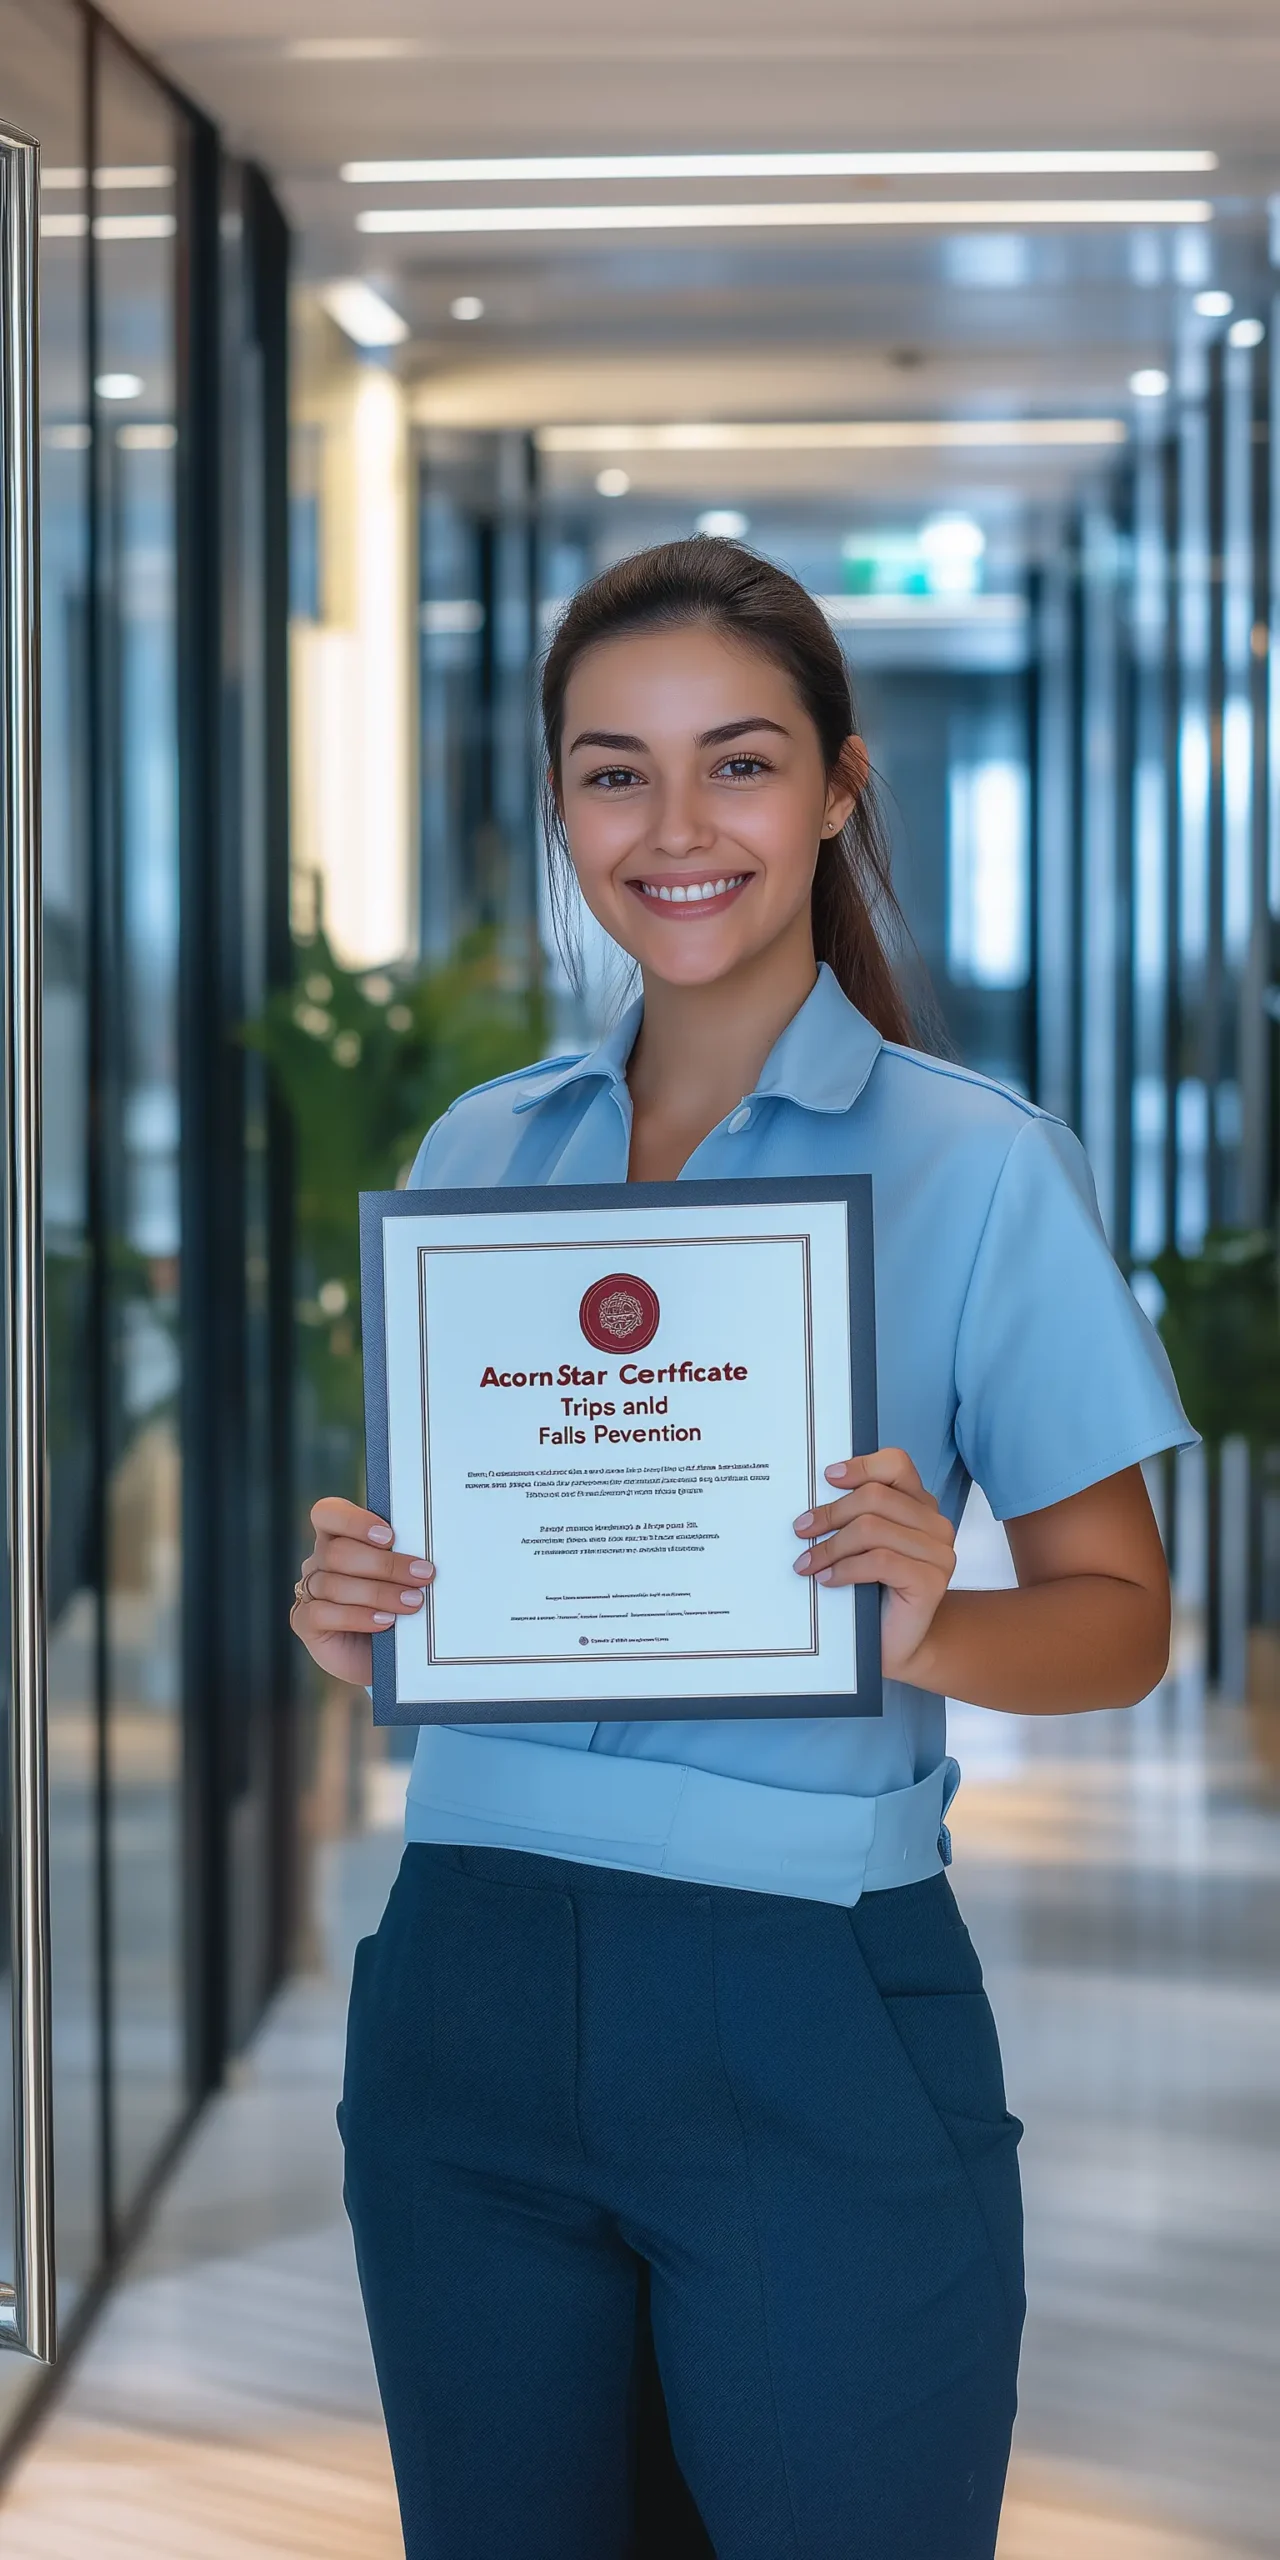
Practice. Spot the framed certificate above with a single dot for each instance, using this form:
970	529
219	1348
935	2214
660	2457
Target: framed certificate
598	1411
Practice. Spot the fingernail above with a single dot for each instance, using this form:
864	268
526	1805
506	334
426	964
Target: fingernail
804	1522
803	1564
834	1474
420	1569
827	1574
383	1618
411	1599
380	1537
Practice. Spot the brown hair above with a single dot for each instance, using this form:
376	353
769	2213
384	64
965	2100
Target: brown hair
707	579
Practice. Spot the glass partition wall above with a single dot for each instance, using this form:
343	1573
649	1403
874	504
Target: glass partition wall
1083	784
1159	886
37	96
163	273
479	639
136	454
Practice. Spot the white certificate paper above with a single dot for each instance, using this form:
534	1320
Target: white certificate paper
600	1422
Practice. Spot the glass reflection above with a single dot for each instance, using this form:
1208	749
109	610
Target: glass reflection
137	452
1241	1183
1195	614
1151	608
42	51
453	622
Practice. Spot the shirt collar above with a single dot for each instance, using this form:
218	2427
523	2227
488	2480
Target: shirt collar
822	1060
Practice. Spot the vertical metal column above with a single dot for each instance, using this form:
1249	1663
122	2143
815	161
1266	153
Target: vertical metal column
1124	777
28	2305
1214	1045
1077	661
1172	750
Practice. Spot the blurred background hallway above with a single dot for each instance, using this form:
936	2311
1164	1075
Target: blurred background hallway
365	337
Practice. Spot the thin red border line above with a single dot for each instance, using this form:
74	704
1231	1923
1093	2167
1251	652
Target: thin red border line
526	1661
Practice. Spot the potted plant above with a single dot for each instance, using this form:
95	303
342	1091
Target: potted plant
365	1060
1220	1325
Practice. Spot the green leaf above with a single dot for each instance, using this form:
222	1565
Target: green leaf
1220	1325
364	1062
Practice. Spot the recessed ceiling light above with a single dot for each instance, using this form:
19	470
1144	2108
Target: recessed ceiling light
118	386
951	547
353	49
146	173
727	523
108	226
133	226
764	164
1213	305
362	314
613	484
952	538
928	612
1148	383
1011	213
832	435
147	438
1245	333
466	306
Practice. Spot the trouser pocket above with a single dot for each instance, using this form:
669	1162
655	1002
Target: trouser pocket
922	1961
389	2047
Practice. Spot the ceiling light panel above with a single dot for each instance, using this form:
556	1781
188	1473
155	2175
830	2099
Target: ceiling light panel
363	315
108	226
134	226
355	49
1011	213
858	611
150	173
775	164
831	435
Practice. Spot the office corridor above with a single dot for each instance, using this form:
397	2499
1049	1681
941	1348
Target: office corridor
1121	1875
340	350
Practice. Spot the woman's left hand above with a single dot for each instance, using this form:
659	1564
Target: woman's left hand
885	1528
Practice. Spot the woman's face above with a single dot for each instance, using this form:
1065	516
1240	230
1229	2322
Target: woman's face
695	799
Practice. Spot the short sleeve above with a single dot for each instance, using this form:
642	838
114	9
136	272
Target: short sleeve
1060	1378
418	1177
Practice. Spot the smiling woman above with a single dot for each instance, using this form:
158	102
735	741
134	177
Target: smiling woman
636	2019
716	811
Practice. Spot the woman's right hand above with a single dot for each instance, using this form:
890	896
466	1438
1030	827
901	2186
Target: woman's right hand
351	1583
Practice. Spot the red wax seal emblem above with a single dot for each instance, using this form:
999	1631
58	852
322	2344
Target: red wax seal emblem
620	1313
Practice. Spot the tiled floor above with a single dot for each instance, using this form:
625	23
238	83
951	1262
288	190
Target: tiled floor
1122	1876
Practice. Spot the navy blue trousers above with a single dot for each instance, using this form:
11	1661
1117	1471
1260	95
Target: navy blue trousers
789	2119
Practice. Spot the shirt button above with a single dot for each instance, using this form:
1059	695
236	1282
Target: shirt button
739	1119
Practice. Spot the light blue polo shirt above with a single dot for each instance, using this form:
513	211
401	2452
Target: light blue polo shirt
1010	1353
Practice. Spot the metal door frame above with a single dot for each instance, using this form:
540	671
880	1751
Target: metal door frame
28	2310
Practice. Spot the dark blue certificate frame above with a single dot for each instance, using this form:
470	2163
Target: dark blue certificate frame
377	1207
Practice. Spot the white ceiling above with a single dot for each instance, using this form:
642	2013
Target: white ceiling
754	324
501	75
